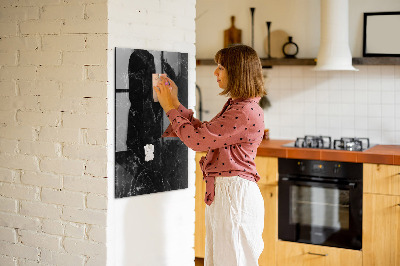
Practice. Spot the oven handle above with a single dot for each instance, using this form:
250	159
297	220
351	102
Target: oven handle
297	181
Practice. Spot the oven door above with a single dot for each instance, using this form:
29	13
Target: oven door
321	212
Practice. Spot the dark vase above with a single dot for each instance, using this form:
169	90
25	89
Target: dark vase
290	49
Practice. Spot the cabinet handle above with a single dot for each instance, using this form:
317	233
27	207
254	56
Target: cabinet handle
318	254
398	204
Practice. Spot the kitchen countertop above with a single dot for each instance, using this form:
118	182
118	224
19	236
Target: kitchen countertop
379	154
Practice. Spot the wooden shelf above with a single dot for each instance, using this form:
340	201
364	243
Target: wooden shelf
312	61
376	61
267	63
288	62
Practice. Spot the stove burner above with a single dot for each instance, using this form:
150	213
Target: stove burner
324	142
308	141
351	144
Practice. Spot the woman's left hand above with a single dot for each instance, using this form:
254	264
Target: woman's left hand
164	94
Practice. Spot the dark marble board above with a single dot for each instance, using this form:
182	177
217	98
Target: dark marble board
144	162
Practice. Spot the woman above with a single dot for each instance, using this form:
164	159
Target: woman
235	207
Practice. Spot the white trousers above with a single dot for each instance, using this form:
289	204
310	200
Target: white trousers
234	223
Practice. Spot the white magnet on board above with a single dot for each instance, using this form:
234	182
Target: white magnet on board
149	152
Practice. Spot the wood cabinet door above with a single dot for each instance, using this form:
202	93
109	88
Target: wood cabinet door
297	254
270	233
200	207
267	168
381	179
381	230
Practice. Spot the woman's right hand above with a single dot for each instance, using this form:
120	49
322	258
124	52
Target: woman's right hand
174	91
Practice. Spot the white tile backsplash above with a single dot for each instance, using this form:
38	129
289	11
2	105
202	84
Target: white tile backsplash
387	124
374	97
387	71
374	110
388	83
361	124
364	103
388	97
387	110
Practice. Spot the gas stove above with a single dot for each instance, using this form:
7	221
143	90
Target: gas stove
325	142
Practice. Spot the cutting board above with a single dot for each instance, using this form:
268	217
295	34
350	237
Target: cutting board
232	35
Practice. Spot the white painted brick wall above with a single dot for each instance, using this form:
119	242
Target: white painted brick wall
95	201
20	192
35	239
8	234
7	175
6	260
41	179
41	210
87	216
53	133
19	221
75	230
97	234
96	169
84	247
19	251
8	204
63	197
61	258
53	107
53	227
86	184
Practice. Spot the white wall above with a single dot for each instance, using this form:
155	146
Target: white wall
338	104
298	18
155	229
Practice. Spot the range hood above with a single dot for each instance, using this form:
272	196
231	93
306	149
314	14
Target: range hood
334	51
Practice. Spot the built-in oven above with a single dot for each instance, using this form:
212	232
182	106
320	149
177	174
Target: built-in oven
320	202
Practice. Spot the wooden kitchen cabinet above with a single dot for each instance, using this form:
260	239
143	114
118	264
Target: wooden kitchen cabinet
298	254
270	233
200	207
381	230
267	168
381	179
381	215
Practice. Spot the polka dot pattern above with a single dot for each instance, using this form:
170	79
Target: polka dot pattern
231	138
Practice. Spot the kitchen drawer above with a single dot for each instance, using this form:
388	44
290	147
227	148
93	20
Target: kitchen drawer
381	179
298	254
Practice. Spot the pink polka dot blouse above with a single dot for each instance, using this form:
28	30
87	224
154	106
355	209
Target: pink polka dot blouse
231	139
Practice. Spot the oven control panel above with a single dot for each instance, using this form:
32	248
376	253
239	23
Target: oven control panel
330	169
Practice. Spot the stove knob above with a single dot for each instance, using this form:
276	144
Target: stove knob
301	166
336	169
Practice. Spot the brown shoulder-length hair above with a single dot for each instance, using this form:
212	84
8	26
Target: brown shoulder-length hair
245	78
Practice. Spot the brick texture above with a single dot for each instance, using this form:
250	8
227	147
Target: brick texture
53	227
53	108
